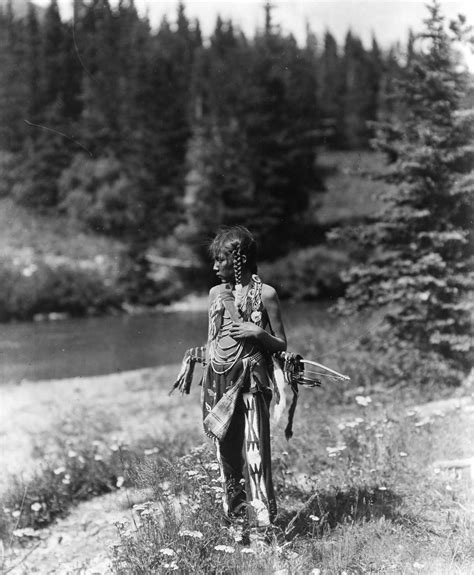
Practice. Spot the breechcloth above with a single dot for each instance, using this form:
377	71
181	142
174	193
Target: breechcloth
243	450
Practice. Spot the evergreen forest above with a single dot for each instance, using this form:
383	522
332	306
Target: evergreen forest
153	138
140	133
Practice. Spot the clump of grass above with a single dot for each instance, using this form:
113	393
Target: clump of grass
183	529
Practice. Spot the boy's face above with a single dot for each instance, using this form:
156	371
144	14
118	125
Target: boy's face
224	267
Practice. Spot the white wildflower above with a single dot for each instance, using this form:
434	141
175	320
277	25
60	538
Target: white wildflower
168	552
35	507
71	453
247	551
422	422
66	479
173	566
16	513
333	451
382	488
98	457
26	532
351	424
363	400
224	548
59	470
29	270
403	454
120	482
314	518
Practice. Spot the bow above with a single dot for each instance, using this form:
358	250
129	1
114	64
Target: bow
296	373
298	370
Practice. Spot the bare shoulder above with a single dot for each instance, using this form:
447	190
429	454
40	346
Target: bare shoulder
216	290
269	293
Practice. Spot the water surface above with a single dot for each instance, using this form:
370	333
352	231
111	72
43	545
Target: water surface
96	346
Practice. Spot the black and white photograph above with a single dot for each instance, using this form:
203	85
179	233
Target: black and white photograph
236	287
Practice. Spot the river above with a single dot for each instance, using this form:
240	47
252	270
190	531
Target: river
100	345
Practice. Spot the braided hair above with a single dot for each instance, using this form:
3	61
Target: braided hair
237	263
238	242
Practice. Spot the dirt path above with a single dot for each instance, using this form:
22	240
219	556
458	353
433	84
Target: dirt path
78	544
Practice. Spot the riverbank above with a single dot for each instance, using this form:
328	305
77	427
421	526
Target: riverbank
387	499
121	408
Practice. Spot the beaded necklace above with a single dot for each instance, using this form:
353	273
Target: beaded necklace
224	357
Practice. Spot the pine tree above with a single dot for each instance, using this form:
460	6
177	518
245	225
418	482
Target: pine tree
33	60
219	188
418	247
46	150
359	92
14	94
330	84
53	43
281	126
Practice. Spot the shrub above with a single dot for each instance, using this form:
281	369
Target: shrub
311	273
100	193
39	287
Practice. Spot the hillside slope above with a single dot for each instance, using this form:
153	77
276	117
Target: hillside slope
25	234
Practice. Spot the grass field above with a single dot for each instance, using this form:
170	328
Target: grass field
363	486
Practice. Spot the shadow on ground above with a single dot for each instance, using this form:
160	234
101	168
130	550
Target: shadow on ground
325	510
